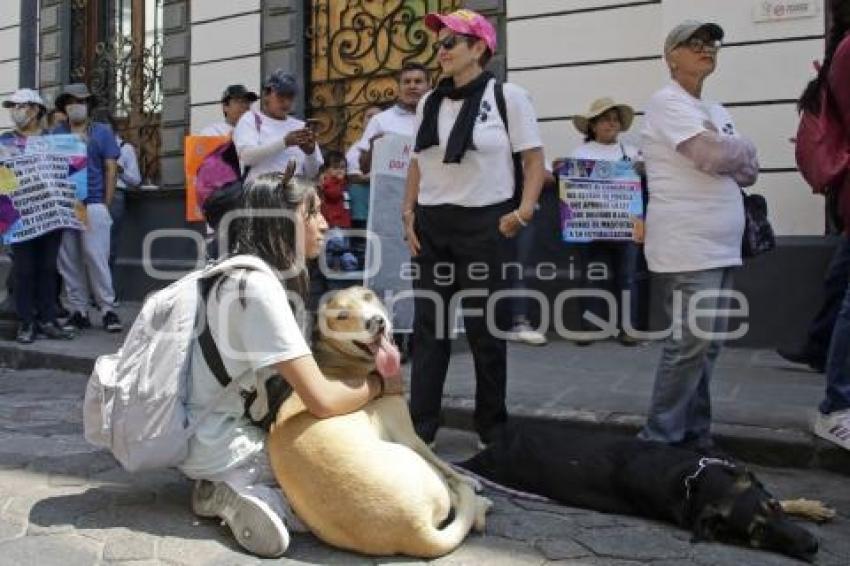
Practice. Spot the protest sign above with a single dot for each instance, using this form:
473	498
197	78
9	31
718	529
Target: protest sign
386	261
196	149
600	200
43	182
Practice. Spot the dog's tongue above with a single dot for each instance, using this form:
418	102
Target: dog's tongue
387	358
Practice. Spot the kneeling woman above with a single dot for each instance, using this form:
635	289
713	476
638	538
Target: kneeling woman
258	338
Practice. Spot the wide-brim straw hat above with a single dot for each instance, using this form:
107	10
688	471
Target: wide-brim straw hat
599	107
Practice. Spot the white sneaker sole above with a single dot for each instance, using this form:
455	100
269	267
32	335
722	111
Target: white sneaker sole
255	525
825	430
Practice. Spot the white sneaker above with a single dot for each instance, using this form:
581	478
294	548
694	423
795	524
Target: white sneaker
834	427
522	332
257	528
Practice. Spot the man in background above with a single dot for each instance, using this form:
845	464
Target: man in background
235	101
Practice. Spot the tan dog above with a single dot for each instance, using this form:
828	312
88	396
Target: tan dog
365	481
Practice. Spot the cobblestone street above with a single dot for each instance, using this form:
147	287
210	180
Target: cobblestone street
64	503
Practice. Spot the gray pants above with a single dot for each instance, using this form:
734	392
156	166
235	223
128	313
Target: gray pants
84	261
681	400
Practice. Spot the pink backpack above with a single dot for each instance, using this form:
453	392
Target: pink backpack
220	167
823	147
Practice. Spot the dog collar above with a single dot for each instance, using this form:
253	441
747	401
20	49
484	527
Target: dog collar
701	466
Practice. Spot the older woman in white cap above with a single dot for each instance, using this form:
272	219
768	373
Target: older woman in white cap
696	163
601	126
459	208
35	270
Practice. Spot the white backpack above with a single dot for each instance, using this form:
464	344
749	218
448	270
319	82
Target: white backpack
135	402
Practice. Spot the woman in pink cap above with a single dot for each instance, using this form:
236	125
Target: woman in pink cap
462	202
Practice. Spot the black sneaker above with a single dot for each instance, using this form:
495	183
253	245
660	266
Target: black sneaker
111	322
78	321
62	312
53	331
26	333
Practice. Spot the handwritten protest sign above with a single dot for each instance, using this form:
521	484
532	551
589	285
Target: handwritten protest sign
390	161
43	181
196	149
600	200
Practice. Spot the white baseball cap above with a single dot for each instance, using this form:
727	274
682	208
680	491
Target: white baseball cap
24	96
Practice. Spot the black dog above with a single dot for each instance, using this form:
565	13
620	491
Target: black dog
714	498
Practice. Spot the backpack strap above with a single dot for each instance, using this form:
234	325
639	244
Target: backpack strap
519	177
205	340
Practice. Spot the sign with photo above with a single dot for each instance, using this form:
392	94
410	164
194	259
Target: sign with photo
600	200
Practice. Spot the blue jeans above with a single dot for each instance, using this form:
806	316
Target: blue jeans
835	284
681	401
621	261
523	245
838	359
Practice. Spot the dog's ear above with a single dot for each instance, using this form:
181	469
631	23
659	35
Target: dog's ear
707	524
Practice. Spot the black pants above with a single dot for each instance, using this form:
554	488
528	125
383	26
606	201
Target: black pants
835	287
457	244
36	277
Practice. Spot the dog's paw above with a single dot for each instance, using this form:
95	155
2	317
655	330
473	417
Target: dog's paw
815	511
482	507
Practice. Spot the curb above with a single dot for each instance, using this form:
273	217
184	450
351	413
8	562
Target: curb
783	448
26	357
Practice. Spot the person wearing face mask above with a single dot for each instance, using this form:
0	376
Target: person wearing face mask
84	256
34	260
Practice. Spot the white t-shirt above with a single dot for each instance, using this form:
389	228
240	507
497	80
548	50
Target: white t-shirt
695	220
217	129
395	120
485	175
250	339
605	152
272	130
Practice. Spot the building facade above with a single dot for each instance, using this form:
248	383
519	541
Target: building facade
163	65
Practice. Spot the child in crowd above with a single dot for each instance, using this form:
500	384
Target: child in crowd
336	209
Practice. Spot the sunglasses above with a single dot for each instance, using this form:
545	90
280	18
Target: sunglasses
451	41
699	45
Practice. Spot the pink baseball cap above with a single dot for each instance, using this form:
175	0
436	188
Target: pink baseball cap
465	22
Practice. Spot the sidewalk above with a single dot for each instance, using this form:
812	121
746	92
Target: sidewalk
762	405
64	502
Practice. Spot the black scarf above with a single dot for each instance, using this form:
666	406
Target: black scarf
460	138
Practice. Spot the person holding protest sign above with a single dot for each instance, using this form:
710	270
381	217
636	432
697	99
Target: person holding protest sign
35	270
413	82
696	163
459	208
601	126
235	102
267	140
84	255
